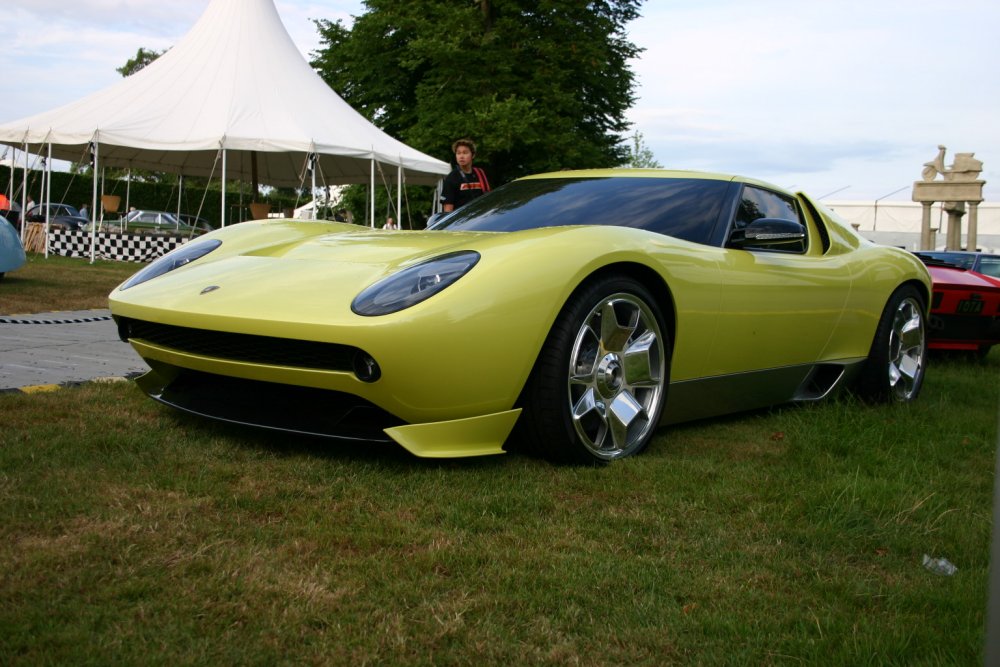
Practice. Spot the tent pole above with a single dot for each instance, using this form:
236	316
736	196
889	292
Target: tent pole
100	215
24	195
180	191
315	215
48	197
399	194
373	194
222	219
253	177
93	208
128	196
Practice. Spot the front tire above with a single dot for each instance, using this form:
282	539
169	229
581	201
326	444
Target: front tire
599	384
897	360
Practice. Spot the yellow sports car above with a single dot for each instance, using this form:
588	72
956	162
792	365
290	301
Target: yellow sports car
569	314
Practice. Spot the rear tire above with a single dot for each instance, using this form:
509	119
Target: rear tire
600	380
894	372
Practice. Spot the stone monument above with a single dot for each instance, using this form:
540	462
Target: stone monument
959	185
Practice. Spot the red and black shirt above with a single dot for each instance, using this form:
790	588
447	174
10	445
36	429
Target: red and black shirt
460	188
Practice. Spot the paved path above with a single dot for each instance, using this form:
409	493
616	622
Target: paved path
46	350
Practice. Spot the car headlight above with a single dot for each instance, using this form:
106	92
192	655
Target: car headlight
174	259
413	284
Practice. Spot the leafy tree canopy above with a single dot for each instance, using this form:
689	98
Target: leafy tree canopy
540	85
640	155
142	58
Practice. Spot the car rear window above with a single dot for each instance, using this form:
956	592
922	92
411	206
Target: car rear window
685	208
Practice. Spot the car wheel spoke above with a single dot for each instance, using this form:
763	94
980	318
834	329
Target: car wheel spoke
585	355
909	367
615	335
641	362
589	416
586	405
625	411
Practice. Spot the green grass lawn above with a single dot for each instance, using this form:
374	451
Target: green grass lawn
133	534
55	283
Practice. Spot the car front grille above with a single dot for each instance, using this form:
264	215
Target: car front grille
242	347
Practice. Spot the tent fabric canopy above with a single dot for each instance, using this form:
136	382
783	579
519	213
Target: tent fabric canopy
236	82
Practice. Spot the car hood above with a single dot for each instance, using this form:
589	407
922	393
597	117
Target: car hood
304	272
948	277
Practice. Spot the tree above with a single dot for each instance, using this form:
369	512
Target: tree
540	85
640	155
142	58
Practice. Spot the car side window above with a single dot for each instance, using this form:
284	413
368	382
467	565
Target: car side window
990	265
756	203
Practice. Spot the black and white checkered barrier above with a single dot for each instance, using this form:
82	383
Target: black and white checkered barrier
63	320
113	245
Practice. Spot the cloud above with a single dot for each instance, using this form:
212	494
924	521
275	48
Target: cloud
818	94
813	90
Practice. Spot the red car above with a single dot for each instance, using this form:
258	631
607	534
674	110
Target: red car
965	307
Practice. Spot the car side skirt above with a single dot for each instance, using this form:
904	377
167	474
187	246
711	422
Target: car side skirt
709	397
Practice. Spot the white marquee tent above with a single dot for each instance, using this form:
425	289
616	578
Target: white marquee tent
233	99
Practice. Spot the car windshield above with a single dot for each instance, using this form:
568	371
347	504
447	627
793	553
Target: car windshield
154	217
54	209
955	259
686	208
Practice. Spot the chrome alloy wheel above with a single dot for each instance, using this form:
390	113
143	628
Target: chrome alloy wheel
907	348
616	376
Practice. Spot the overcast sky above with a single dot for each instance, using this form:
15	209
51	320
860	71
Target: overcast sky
845	100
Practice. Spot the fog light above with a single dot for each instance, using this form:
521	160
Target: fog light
366	368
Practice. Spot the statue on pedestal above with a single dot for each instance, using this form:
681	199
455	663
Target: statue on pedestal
965	169
959	186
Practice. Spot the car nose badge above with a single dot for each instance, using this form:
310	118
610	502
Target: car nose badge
210	288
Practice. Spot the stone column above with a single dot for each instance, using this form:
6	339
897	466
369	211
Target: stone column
971	241
926	238
955	210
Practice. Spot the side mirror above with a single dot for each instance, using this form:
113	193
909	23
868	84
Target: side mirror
776	233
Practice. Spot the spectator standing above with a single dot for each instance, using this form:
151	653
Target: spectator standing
465	182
